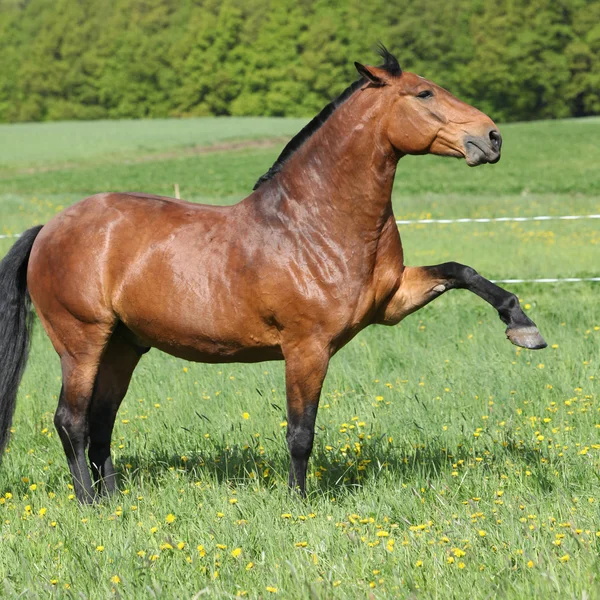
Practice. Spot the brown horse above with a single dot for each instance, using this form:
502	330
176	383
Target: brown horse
292	272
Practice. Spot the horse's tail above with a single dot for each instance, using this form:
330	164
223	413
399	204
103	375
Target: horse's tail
15	326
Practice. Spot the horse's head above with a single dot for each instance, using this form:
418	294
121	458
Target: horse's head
423	118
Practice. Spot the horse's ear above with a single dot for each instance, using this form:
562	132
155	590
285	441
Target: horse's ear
370	74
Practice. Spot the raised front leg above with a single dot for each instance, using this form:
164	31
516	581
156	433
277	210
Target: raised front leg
421	285
305	369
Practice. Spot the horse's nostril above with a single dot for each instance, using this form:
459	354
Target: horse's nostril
496	139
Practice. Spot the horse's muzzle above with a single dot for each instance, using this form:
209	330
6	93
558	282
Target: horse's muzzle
483	149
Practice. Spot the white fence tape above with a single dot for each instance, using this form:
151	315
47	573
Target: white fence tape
547	280
497	219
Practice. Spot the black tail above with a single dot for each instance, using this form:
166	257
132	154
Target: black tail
15	325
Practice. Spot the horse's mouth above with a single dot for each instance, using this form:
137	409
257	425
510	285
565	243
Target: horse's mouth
479	152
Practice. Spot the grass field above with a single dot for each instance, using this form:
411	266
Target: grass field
447	462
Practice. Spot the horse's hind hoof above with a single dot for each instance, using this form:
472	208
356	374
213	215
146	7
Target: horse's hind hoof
526	337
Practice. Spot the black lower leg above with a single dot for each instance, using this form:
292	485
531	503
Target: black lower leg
521	330
73	435
300	436
103	472
101	420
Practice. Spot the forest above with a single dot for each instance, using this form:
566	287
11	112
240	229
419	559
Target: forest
517	60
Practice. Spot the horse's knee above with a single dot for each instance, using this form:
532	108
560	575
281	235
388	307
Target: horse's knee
457	273
300	441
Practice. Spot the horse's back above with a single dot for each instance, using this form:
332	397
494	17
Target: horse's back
166	268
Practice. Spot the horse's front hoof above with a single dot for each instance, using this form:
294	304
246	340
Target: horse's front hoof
526	337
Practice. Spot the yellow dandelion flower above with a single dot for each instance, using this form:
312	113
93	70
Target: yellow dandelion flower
272	589
100	548
245	416
530	564
115	579
564	558
236	552
170	518
249	566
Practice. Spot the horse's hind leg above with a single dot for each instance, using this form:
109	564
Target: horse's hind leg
114	374
421	285
79	369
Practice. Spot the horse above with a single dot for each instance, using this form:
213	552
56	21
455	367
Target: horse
292	272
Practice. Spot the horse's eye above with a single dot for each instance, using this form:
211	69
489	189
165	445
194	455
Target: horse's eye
425	94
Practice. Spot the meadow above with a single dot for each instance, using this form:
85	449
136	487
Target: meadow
447	462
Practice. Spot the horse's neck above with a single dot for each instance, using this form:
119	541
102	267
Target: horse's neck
342	175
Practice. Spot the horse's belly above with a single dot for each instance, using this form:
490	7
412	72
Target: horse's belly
200	329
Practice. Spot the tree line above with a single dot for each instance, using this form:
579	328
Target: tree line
93	59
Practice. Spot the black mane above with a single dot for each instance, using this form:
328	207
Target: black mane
390	64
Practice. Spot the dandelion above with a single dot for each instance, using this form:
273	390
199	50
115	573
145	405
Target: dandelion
115	579
100	548
236	552
482	533
271	589
246	416
565	558
249	566
170	518
530	564
419	563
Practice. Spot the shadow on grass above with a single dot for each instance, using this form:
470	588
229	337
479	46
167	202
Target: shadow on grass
331	472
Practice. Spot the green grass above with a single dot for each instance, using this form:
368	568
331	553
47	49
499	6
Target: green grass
54	143
477	459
